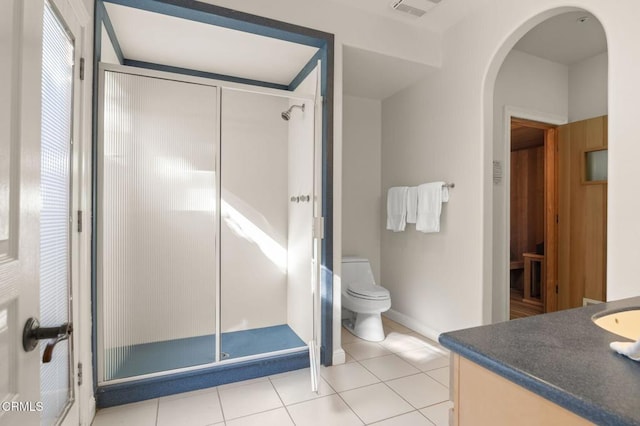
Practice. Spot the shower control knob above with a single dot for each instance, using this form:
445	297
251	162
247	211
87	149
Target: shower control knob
295	199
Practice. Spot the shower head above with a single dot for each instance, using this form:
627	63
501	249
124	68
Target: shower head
286	115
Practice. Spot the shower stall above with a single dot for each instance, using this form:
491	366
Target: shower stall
206	197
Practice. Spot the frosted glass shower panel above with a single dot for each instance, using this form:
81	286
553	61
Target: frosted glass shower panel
55	197
157	225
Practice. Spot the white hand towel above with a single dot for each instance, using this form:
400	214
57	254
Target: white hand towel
430	198
629	349
397	208
412	204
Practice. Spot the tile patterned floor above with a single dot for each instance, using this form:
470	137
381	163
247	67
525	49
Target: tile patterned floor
402	381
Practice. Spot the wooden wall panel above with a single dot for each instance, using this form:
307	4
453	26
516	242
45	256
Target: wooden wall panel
550	220
527	200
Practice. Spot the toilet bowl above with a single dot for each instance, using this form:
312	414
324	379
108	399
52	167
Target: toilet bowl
363	299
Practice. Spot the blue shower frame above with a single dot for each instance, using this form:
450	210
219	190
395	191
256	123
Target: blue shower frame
138	390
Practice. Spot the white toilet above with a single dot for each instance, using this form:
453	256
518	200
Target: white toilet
364	299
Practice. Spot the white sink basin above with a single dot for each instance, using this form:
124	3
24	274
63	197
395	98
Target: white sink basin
623	323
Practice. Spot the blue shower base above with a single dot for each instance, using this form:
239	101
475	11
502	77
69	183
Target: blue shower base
155	357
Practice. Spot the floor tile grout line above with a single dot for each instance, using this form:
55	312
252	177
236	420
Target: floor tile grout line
383	380
224	418
258	412
157	410
441	368
282	402
403	398
357	387
372	384
386	418
352	410
415	374
415	410
254	414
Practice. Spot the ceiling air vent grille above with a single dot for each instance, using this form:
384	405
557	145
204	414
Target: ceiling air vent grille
415	8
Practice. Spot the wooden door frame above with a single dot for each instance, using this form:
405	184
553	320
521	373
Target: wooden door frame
550	205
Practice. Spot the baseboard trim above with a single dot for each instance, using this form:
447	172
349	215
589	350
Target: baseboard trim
413	324
339	356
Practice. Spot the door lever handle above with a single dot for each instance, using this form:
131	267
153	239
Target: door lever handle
33	332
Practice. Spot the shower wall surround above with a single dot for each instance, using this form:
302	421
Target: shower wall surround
254	210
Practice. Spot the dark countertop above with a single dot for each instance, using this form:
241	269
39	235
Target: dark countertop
563	357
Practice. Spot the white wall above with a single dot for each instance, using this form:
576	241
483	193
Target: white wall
588	88
428	274
361	180
253	260
443	129
527	84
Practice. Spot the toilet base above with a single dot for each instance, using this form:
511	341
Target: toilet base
366	326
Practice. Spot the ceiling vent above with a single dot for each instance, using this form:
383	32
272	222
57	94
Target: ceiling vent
415	8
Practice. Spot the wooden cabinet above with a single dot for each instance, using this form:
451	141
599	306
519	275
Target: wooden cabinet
483	398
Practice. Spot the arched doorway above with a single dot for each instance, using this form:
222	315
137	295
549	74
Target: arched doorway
531	79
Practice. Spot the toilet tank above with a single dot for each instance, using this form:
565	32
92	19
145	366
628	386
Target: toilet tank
356	269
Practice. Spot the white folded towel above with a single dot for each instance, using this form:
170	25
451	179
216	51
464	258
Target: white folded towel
412	204
430	199
629	349
397	208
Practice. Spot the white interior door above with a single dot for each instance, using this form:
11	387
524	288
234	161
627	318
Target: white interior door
19	217
38	119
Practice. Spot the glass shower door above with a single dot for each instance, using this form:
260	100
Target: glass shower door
264	291
156	225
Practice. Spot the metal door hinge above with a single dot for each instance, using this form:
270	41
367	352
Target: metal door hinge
79	220
79	374
318	227
81	68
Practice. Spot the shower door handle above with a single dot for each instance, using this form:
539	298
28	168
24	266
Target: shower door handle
33	332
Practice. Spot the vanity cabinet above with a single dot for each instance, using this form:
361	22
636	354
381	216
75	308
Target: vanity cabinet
483	398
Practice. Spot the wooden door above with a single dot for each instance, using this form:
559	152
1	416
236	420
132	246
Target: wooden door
582	224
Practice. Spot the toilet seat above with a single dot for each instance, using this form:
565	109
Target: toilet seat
368	291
